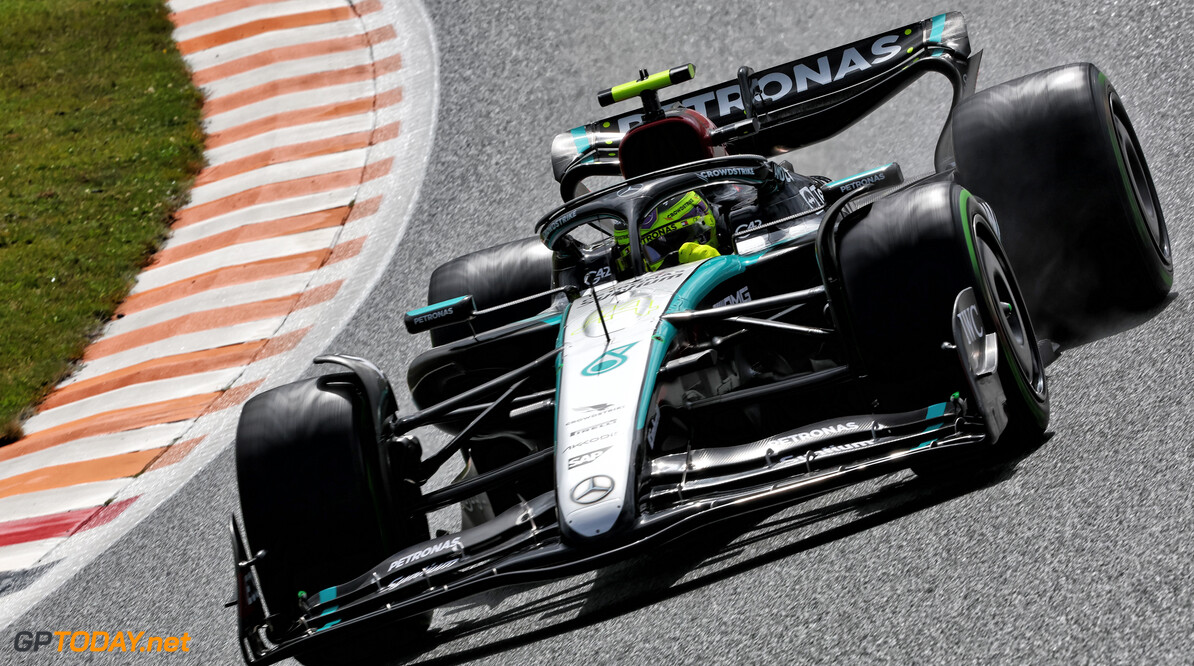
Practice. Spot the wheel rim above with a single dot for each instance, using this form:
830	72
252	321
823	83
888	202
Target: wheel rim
1011	316
1140	179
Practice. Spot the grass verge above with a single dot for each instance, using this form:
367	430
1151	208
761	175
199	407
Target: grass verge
99	140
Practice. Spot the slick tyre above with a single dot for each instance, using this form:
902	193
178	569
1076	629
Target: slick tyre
493	276
309	498
903	264
1057	158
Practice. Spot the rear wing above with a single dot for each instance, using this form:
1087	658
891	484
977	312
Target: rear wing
795	104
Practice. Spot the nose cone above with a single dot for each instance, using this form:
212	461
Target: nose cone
599	504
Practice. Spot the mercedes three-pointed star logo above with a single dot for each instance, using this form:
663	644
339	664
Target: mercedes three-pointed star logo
592	489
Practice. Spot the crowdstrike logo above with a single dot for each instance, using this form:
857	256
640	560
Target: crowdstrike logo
710	174
593	412
555	225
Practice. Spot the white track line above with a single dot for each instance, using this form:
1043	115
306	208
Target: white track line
345	92
134	395
20	556
270	248
181	344
274	210
289	136
319	165
91	448
287	69
260	12
237	294
269	41
58	500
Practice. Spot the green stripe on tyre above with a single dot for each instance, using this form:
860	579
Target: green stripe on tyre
1021	382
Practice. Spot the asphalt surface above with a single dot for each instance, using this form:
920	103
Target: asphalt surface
1079	552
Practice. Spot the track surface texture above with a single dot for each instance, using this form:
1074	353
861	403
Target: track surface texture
1079	551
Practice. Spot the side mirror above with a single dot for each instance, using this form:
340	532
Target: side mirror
444	313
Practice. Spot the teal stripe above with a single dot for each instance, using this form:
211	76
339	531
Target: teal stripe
436	306
841	181
580	138
660	343
325	596
938	29
708	275
933	412
563	317
936	33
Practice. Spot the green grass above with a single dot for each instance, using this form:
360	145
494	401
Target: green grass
99	140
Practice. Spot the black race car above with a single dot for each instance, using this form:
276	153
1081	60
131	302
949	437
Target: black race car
605	395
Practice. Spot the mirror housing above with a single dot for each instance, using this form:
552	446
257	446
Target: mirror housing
444	313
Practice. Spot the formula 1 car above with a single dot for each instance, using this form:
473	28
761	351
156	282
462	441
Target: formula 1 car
603	403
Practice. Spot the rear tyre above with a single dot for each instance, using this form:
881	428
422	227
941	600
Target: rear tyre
903	265
493	276
312	502
1056	155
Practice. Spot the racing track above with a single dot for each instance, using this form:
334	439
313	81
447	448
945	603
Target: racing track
1080	552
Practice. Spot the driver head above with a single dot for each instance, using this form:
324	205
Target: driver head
686	218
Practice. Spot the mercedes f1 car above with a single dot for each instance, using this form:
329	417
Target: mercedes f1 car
604	399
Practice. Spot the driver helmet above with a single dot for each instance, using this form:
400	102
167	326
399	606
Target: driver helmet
682	228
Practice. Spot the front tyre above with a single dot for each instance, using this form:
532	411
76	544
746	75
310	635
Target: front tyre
903	264
312	502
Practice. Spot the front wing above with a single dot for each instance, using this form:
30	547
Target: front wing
684	492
